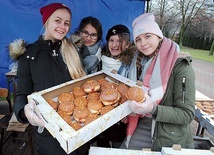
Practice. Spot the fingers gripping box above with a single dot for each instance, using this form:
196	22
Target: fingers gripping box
69	138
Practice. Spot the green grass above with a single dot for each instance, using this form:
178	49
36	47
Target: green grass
199	54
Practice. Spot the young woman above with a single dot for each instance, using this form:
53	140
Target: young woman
117	52
119	49
169	83
87	39
49	61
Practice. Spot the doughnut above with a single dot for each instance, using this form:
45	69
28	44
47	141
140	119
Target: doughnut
135	93
106	85
65	97
100	81
81	113
76	126
94	106
106	109
78	91
122	89
66	118
80	101
109	96
66	107
199	105
93	96
206	103
90	118
53	104
91	86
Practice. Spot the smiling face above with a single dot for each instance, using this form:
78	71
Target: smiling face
147	43
116	45
89	35
58	25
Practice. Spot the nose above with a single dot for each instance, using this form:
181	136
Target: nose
62	26
115	43
142	43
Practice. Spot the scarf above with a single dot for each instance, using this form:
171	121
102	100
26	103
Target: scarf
110	64
156	74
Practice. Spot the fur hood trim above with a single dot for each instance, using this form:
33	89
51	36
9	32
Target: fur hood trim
17	48
76	40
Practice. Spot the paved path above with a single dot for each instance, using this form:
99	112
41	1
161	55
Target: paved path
204	77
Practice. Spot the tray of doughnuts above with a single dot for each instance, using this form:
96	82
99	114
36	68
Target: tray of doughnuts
206	107
76	111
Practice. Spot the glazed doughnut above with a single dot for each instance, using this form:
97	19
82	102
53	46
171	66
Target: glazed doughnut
135	93
53	104
65	97
80	101
106	109
93	96
94	106
66	107
81	113
91	86
78	91
109	96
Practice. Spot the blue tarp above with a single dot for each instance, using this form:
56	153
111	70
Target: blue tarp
21	19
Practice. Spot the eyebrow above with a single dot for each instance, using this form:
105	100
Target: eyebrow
88	32
61	18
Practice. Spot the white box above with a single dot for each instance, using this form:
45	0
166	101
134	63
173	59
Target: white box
68	138
114	151
171	151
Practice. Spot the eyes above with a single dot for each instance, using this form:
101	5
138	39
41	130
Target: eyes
59	21
143	37
85	34
111	41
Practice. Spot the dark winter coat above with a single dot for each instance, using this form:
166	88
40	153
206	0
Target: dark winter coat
39	67
177	108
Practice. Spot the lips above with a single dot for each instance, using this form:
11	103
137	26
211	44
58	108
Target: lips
146	48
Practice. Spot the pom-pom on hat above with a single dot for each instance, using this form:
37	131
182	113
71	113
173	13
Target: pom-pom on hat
46	11
117	29
145	23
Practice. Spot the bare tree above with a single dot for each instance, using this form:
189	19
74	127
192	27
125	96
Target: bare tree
165	16
175	16
188	9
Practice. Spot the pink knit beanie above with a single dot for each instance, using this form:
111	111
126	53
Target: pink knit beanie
145	23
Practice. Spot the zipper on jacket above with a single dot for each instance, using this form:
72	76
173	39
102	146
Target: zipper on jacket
183	89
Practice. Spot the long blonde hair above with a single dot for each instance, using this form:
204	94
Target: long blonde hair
72	59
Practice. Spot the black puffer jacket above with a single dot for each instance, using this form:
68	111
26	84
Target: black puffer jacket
40	67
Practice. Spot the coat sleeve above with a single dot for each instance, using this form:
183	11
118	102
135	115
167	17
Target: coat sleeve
24	88
178	104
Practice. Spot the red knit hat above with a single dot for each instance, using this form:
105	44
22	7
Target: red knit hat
46	11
